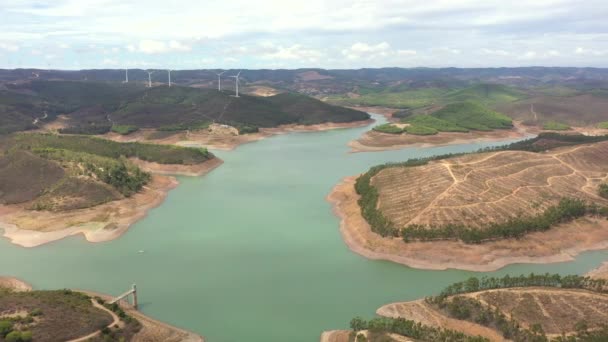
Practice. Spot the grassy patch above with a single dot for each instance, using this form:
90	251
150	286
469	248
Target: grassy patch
555	126
124	129
388	128
420	130
603	125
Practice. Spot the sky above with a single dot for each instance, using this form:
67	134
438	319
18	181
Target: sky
255	34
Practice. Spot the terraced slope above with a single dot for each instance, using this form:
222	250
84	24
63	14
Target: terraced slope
556	310
479	189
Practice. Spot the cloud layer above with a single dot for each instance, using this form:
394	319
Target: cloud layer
314	33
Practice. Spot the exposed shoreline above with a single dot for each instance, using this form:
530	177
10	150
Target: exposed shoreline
228	142
152	330
373	141
559	244
104	222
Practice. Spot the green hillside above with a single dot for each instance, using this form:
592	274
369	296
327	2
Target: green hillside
94	108
65	172
163	106
455	117
485	93
473	116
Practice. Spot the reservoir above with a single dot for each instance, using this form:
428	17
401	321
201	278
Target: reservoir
252	251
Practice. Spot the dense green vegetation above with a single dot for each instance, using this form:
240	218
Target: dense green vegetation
567	209
418	96
420	130
124	129
455	117
388	128
555	126
162	154
475	284
471	115
603	125
383	325
90	105
436	123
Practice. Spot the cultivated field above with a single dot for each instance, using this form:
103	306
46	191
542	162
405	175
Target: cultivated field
479	189
556	310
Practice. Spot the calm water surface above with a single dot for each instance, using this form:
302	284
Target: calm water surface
252	251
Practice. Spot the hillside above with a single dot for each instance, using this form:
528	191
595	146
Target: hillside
94	108
542	308
483	196
454	117
60	173
526	202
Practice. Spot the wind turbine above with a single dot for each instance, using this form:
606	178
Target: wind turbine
169	71
219	81
236	79
126	76
149	78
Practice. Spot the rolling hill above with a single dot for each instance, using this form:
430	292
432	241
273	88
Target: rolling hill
93	107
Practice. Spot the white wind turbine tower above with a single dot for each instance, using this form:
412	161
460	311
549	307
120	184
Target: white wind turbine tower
169	71
126	76
219	80
149	78
236	79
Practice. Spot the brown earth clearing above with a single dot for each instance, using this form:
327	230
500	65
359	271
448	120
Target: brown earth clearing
579	110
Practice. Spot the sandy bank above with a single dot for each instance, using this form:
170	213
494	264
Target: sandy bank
372	141
419	311
600	272
179	169
220	141
561	243
14	284
104	222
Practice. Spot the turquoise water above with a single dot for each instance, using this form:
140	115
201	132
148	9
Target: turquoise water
252	251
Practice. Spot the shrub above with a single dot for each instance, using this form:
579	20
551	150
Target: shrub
26	336
5	327
603	190
13	336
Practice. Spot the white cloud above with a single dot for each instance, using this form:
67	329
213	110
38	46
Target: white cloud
406	52
110	61
9	47
495	52
149	46
293	52
363	50
589	52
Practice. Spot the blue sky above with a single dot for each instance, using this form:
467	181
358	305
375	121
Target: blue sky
179	34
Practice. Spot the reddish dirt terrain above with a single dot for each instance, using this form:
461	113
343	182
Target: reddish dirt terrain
479	189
